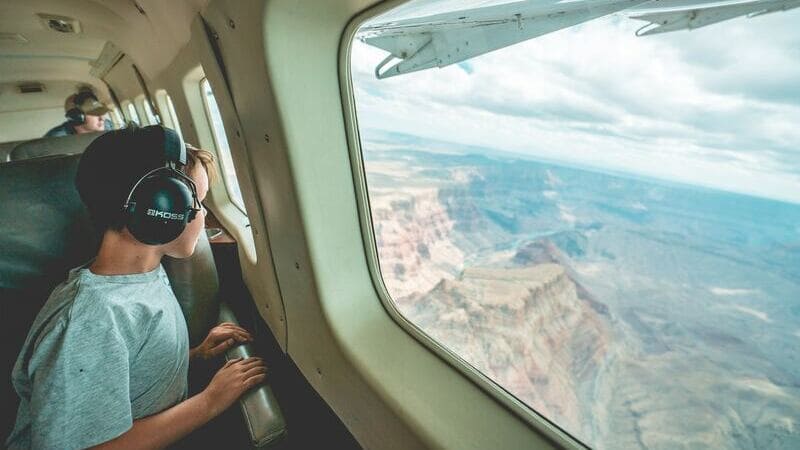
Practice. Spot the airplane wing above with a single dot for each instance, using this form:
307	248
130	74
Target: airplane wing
691	18
440	40
448	38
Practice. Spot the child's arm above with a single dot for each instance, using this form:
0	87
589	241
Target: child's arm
235	378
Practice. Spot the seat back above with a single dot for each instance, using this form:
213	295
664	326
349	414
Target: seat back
49	146
45	231
5	149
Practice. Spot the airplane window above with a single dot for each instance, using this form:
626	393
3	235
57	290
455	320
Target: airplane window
148	111
221	142
168	109
173	116
596	208
116	116
132	114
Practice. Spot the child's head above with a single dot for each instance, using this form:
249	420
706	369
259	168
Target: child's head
115	161
200	168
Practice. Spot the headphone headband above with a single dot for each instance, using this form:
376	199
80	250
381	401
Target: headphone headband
82	96
174	148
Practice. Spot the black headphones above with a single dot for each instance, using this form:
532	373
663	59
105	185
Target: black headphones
76	114
164	200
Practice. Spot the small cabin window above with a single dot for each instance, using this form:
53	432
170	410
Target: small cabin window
152	119
603	219
116	117
221	144
170	117
133	116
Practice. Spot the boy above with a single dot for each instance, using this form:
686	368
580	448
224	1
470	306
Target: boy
105	362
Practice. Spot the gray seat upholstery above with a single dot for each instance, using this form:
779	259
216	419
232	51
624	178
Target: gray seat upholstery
45	231
5	149
48	146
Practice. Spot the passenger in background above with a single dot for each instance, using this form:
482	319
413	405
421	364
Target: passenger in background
85	115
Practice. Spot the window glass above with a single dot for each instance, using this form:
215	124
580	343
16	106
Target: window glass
116	116
221	142
132	114
148	111
173	116
596	208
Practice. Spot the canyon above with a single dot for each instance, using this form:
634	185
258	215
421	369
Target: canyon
630	313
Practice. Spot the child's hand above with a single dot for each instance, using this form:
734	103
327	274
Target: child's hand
219	339
235	378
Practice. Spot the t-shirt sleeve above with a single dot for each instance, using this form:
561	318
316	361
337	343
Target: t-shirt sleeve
80	386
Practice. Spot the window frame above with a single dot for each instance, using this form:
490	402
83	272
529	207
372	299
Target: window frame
521	409
138	104
168	110
130	113
149	114
117	117
217	147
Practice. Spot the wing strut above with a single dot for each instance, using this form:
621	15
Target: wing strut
689	19
444	39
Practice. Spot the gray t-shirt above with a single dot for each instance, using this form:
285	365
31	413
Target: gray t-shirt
103	352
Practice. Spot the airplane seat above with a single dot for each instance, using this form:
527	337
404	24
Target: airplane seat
6	148
46	231
48	146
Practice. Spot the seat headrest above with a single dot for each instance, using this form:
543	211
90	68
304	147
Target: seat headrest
46	230
61	145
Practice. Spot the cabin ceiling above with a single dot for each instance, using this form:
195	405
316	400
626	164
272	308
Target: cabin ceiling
150	32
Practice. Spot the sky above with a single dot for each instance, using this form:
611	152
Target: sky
717	107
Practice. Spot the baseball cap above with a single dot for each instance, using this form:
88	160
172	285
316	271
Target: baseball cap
86	102
111	166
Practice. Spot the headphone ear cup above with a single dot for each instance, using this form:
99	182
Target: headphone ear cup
76	115
159	211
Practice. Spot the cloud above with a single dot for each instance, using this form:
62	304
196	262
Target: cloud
550	195
730	292
717	107
762	316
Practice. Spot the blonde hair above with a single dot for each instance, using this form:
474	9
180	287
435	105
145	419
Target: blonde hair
204	157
